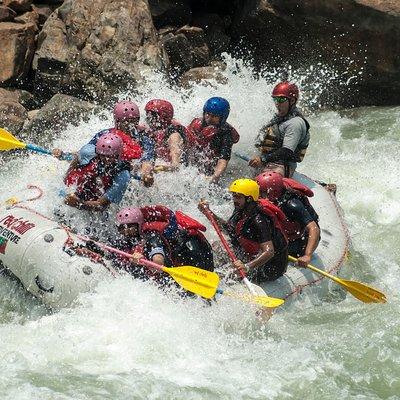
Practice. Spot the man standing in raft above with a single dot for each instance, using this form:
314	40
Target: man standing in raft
210	139
168	134
284	140
136	144
301	226
101	181
255	232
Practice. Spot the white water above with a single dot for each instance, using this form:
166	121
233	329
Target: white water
129	341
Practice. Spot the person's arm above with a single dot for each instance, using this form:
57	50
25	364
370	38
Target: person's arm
219	170
175	144
203	206
94	205
266	253
313	239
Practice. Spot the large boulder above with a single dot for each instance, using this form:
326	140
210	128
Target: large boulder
360	39
17	44
170	12
18	5
12	115
95	48
60	111
6	14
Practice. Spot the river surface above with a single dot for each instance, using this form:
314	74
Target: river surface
129	341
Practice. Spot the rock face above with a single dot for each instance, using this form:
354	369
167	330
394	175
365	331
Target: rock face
350	35
17	44
95	48
57	113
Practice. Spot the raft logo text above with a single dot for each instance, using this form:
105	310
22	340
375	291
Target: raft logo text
17	225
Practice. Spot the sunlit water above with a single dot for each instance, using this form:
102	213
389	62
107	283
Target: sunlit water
130	341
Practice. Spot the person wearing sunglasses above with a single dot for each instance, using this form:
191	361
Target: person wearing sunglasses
284	140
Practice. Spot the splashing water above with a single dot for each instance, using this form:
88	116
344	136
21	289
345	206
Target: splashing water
129	340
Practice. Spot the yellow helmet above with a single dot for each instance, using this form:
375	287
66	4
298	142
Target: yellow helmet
247	187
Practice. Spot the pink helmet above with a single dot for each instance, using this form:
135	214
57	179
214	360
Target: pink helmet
124	110
272	184
130	215
109	144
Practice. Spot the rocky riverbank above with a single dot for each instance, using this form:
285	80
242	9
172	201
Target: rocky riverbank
93	49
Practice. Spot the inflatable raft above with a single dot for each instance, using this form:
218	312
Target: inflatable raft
331	252
49	261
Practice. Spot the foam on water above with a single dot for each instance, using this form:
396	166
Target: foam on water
128	340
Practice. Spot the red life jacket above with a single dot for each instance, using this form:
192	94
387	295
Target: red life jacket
90	185
131	150
270	210
161	140
157	218
199	135
293	229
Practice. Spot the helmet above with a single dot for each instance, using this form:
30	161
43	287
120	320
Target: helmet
217	106
247	187
163	108
286	89
109	145
130	215
124	110
272	183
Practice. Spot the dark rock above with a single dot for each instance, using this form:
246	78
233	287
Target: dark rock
18	5
17	43
350	36
170	12
12	116
6	14
57	113
30	17
25	98
179	51
44	12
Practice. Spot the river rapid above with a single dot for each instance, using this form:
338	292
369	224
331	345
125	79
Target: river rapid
130	341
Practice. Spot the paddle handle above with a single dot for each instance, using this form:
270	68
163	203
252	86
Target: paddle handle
224	242
142	261
242	156
38	149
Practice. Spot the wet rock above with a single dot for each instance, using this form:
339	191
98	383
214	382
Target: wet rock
179	51
43	11
60	111
95	48
25	98
197	39
12	115
30	17
6	14
18	5
17	44
350	36
170	12
203	75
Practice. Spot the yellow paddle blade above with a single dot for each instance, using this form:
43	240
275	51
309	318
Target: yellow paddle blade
263	301
362	292
359	290
9	142
196	280
11	201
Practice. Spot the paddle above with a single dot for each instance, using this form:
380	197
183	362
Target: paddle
255	290
196	280
360	291
242	156
10	142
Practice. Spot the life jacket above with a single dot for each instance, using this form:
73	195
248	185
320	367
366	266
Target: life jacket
131	150
271	211
270	138
301	192
161	136
161	219
91	183
200	135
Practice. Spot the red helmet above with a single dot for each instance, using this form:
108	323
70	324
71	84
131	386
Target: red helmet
286	89
124	110
272	184
163	108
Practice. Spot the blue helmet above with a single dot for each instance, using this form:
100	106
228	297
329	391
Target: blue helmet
217	106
